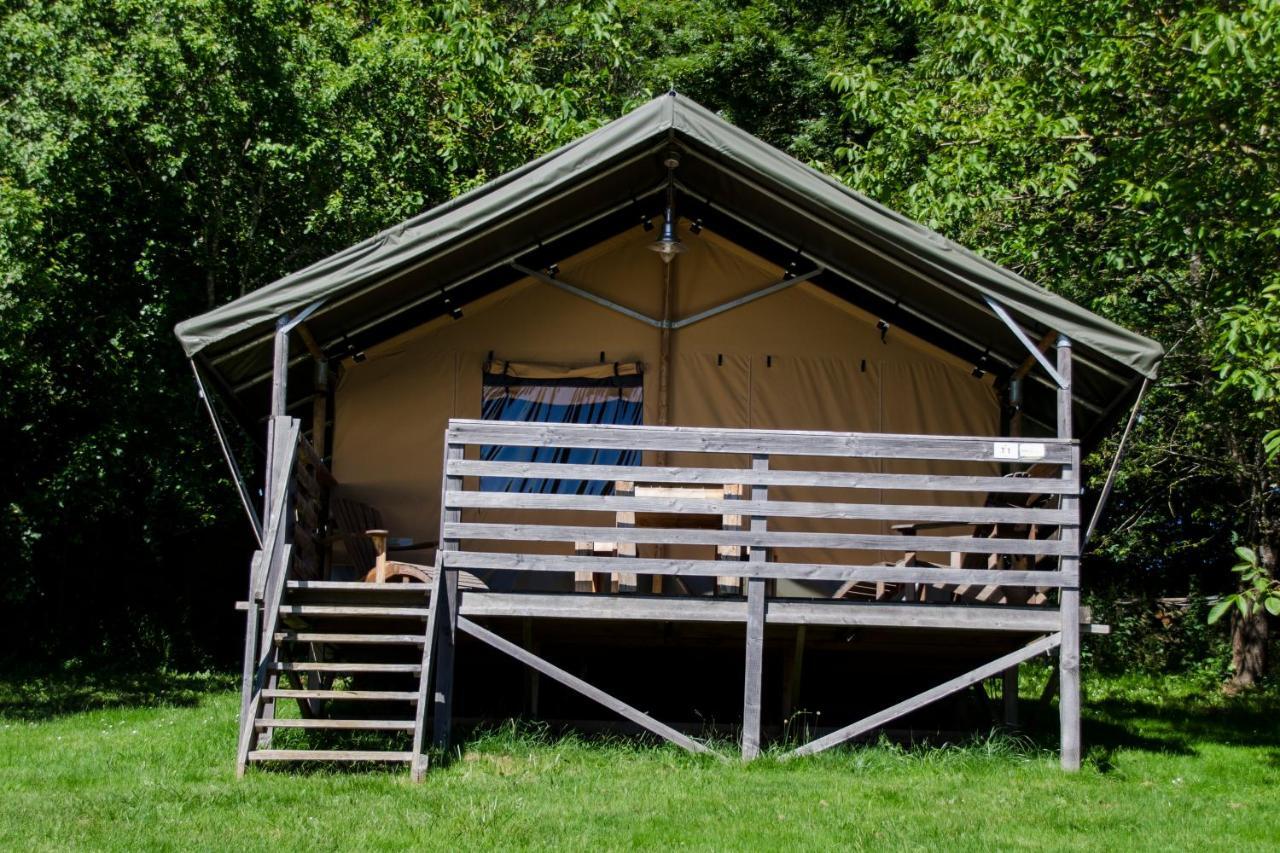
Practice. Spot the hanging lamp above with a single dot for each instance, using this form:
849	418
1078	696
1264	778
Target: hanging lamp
668	245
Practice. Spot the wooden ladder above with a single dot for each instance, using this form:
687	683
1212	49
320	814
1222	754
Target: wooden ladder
329	632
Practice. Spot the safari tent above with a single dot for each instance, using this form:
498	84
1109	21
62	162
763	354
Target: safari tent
665	386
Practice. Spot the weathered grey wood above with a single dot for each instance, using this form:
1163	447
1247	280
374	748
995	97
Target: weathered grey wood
775	477
1069	599
327	755
447	594
420	763
773	509
366	695
354	639
906	706
999	617
418	590
272	567
329	723
280	369
488	560
573	682
756	605
769	442
252	636
344	666
753	539
369	612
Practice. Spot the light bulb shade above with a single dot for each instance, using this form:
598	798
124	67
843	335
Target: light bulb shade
668	245
668	249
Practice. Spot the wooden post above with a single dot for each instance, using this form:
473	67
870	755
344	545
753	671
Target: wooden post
446	588
1009	679
755	627
1069	599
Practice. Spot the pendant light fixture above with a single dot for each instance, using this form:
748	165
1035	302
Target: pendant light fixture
668	245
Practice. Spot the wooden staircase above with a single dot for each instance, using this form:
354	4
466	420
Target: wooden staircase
352	656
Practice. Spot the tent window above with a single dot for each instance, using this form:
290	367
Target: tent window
603	394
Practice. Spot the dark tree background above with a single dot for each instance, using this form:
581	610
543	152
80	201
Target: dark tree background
159	157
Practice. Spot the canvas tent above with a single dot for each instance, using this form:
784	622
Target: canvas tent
744	190
839	367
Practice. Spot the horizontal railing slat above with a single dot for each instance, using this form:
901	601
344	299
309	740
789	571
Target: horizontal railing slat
770	539
484	560
777	509
773	442
772	477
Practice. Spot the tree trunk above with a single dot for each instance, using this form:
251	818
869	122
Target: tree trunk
1248	648
1249	636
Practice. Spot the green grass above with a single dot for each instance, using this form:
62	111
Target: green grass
147	763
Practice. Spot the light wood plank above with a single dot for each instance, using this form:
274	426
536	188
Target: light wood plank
488	560
773	477
328	723
328	755
771	442
754	539
344	666
960	515
362	695
338	638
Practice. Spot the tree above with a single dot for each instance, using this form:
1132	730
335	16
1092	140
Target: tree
1124	154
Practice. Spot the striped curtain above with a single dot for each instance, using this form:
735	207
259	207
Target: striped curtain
599	394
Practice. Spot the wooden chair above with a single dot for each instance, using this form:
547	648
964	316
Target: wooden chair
629	581
990	593
368	543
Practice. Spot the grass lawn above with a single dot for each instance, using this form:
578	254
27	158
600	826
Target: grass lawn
148	763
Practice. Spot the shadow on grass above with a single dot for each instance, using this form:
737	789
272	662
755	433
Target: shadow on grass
45	695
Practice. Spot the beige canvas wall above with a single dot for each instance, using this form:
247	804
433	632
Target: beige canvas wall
798	359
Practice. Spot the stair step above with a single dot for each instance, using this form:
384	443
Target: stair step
369	695
326	637
368	611
345	666
380	725
328	755
421	590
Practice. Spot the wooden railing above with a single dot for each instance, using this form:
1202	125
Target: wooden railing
1055	463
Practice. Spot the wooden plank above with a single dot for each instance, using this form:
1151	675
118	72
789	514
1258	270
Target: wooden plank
447	621
344	666
754	666
574	683
363	695
329	723
488	560
771	442
327	755
754	539
370	612
415	589
906	706
773	477
851	614
960	515
340	638
1069	598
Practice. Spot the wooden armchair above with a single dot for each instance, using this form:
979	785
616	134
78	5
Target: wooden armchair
368	544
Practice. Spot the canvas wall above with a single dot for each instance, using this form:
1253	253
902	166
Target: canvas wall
798	359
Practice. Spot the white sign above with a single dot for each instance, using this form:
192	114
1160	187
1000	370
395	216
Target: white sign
1006	450
1031	451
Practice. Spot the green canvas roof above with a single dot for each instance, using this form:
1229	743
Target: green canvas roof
764	198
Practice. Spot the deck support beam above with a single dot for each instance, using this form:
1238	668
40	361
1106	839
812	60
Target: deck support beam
943	690
574	683
754	669
1069	601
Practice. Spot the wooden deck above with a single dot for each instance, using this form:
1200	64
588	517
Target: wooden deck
1008	518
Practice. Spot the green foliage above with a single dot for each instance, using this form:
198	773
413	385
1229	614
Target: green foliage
1258	590
1171	767
1124	154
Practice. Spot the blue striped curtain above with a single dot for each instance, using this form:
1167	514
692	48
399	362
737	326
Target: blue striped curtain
616	399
